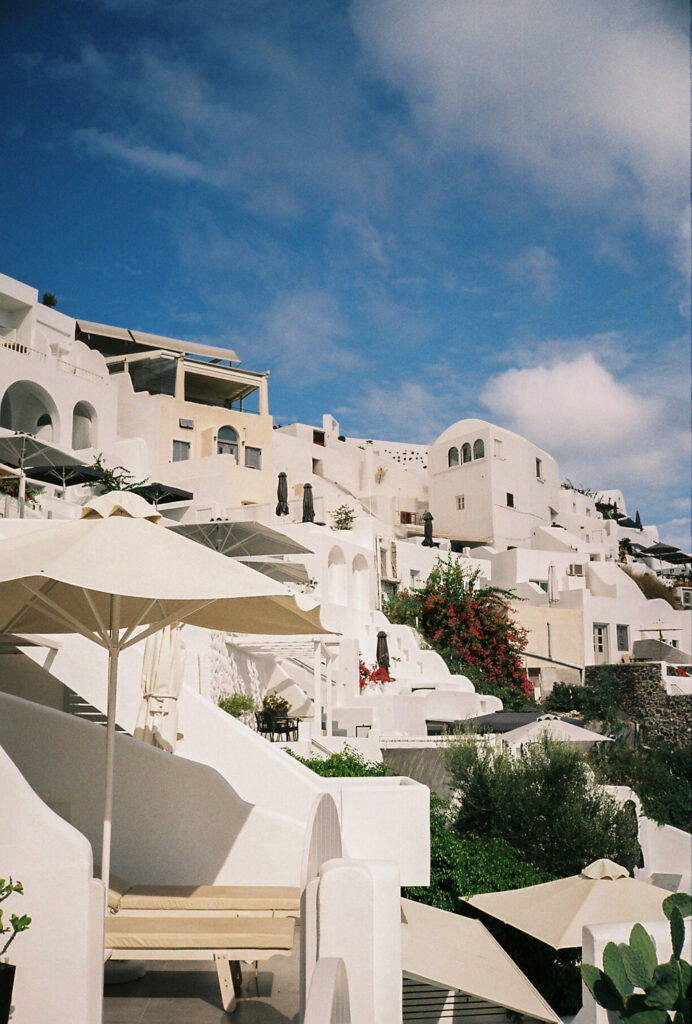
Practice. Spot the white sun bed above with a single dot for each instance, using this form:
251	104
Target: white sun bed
189	936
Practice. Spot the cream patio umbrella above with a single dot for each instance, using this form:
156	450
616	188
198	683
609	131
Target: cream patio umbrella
116	577
556	728
162	680
556	912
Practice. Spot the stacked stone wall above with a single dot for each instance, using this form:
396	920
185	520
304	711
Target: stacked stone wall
639	693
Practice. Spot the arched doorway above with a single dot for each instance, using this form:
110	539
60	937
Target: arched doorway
361	583
337	587
28	407
83	426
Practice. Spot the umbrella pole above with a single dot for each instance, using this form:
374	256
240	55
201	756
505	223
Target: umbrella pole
21	497
113	652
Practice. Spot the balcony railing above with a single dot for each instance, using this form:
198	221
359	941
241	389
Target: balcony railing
63	365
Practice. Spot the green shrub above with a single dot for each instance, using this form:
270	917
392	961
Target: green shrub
237	704
544	803
596	702
348	763
659	775
343	517
275	704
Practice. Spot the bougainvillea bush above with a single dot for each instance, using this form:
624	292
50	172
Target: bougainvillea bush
376	674
471	627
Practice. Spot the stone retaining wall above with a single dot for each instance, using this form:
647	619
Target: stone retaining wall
640	694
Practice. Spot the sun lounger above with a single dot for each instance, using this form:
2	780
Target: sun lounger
229	900
190	936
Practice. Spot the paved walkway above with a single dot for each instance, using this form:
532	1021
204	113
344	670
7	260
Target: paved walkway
172	992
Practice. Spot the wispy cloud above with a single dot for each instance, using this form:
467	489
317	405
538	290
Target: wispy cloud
538	269
154	161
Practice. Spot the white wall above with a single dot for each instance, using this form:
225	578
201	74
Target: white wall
59	959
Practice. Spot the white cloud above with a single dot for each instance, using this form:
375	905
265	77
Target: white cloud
604	432
155	161
677	531
537	268
588	101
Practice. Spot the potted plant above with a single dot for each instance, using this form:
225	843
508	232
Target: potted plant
274	704
17	924
239	705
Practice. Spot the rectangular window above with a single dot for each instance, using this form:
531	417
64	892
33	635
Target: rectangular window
539	469
460	502
415	573
181	451
498	449
510	500
623	637
253	457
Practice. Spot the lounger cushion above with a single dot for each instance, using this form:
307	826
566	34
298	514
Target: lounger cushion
210	897
190	932
117	887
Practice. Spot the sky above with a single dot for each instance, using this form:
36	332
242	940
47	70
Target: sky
410	211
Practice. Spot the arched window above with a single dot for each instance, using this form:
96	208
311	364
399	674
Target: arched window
478	449
466	452
361	583
83	426
28	407
453	457
227	442
337	583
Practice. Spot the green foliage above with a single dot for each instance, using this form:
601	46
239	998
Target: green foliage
567	485
659	775
275	704
664	987
349	763
470	627
10	485
18	923
343	517
116	479
49	299
544	803
237	704
596	702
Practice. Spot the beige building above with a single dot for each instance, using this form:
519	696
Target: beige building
206	418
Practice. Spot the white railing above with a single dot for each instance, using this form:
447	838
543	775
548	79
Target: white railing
328	1000
63	364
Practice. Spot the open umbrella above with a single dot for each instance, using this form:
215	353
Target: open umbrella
282	495
557	729
162	680
159	493
241	539
116	577
308	505
382	651
66	475
24	450
556	912
427	530
284	572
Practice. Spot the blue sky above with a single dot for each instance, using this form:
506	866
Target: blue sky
410	211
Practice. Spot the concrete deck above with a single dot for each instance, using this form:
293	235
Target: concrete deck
172	992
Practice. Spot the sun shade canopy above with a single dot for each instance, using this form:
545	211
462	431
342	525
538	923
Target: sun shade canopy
25	450
556	728
283	572
556	912
162	493
66	475
241	539
457	952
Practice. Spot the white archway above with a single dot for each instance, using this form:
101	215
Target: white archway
361	583
28	407
337	584
84	422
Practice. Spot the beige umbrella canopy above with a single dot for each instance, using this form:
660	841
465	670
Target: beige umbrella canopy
116	577
556	912
557	729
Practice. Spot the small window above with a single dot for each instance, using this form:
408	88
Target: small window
539	469
478	449
227	442
318	438
510	500
453	457
181	451
415	573
498	449
460	502
623	637
466	452
253	457
186	424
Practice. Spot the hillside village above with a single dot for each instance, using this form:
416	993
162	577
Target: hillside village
314	546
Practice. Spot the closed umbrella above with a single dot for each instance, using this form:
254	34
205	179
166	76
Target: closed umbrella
282	495
382	651
553	585
427	530
116	577
162	680
308	505
556	912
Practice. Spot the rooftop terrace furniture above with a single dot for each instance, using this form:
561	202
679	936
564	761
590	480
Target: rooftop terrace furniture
203	900
276	727
190	936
